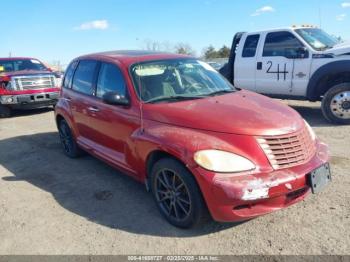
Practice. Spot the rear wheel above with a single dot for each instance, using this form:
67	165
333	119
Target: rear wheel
177	194
69	145
4	111
336	104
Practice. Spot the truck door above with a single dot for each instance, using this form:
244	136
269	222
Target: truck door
244	75
275	63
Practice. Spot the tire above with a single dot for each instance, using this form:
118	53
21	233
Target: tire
5	111
69	145
336	104
184	206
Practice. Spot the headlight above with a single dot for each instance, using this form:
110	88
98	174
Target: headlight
222	162
311	131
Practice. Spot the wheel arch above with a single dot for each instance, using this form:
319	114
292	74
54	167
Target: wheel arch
158	154
327	76
59	116
58	119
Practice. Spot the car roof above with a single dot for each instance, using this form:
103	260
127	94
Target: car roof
291	28
128	57
17	58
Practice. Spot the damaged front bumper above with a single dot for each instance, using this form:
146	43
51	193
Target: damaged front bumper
239	197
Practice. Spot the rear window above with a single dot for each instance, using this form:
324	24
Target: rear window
84	77
250	46
69	75
21	64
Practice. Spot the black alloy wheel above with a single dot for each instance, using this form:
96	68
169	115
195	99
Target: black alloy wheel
177	194
70	147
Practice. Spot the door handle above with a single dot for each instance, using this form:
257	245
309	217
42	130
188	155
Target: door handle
259	66
93	109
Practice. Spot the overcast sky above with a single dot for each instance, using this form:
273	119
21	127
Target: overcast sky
64	29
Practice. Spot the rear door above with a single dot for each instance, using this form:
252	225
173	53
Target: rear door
245	64
274	71
81	98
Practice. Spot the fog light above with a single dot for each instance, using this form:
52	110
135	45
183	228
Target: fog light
10	100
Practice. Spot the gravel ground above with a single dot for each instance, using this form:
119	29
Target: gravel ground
50	204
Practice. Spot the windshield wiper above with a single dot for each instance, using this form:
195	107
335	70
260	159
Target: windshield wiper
172	98
219	92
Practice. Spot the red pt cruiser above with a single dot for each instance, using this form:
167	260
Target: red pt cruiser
173	123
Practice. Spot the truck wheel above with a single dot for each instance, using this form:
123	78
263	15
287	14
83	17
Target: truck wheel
5	111
336	104
69	145
177	194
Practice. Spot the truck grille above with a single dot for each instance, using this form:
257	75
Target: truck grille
288	150
34	82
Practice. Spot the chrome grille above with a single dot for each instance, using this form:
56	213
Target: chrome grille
288	150
34	82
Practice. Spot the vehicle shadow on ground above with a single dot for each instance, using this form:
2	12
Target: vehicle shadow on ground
313	115
20	113
88	187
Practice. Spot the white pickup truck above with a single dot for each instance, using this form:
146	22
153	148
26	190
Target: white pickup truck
303	63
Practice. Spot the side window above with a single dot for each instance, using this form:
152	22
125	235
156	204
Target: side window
69	75
250	45
277	43
84	77
110	79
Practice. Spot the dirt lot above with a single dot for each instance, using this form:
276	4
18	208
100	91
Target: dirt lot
50	204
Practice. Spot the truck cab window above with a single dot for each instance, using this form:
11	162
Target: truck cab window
84	77
110	80
277	43
250	45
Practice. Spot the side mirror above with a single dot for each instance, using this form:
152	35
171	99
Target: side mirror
113	98
296	53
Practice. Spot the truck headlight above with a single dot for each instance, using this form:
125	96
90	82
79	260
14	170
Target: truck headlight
311	131
222	161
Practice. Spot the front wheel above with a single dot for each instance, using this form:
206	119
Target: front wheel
177	194
336	104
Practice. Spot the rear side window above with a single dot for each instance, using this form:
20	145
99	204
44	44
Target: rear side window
110	79
276	44
250	45
84	77
69	75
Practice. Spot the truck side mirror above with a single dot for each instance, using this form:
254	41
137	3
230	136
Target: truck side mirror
296	53
113	98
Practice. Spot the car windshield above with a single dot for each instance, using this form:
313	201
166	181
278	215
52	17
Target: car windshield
21	64
180	79
317	38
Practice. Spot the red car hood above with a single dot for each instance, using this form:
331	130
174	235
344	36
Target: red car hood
26	73
242	112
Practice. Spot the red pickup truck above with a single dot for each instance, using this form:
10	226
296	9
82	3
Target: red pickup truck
26	83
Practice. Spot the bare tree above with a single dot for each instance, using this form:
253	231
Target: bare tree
185	49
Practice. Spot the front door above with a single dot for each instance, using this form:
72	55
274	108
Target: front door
112	125
275	65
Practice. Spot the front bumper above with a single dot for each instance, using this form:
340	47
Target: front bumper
26	101
239	197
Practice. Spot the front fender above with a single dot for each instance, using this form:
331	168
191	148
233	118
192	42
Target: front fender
329	69
182	143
